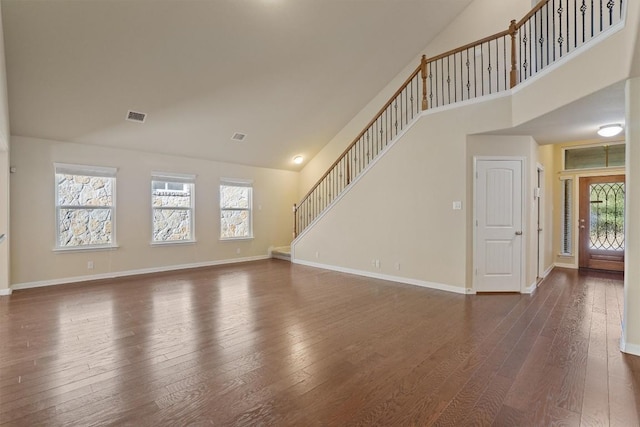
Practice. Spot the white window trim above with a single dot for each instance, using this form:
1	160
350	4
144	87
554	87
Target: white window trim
84	170
236	182
179	178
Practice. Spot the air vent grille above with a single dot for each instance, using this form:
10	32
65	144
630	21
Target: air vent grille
135	116
239	136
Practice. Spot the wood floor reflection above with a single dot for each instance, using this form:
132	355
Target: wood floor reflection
270	343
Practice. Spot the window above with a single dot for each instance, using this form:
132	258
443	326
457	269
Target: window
85	206
235	210
594	156
172	204
567	212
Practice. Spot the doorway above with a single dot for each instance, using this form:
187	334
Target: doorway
601	222
539	199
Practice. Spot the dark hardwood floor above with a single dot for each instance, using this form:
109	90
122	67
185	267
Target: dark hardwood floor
270	343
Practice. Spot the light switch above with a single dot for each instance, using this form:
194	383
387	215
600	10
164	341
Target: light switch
457	205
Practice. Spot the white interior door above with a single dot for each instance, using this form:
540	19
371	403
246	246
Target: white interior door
499	239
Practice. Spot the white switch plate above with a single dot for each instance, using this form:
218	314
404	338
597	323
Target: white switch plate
457	205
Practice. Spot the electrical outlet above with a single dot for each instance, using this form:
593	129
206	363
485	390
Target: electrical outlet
397	266
238	251
317	254
377	263
90	265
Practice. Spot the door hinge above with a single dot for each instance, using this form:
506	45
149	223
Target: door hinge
476	271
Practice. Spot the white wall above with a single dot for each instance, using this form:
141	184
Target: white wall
33	213
4	170
480	19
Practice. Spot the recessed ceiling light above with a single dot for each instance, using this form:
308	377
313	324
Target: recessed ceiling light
610	130
298	159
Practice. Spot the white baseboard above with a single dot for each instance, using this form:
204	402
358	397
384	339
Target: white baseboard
548	270
531	288
116	274
405	280
563	265
5	292
633	349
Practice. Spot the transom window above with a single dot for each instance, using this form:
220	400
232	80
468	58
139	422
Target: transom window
235	210
173	205
85	206
594	156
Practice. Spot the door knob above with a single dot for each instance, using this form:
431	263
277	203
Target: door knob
582	227
518	233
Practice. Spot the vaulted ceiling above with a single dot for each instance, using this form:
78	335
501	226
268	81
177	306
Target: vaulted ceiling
288	73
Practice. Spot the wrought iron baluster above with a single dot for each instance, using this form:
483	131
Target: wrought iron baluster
592	15
448	79
442	79
482	68
395	110
430	85
475	74
504	59
498	64
575	24
568	32
461	79
583	9
489	68
601	16
546	9
560	38
468	76
610	5
553	19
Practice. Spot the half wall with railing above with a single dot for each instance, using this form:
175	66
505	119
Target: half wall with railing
548	33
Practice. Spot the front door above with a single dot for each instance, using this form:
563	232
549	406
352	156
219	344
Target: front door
601	222
498	247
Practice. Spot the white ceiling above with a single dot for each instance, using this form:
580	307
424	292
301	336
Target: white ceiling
288	73
578	121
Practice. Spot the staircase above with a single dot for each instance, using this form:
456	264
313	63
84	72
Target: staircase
497	63
283	253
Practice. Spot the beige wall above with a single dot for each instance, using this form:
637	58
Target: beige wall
549	220
4	221
33	213
631	321
4	170
400	212
495	16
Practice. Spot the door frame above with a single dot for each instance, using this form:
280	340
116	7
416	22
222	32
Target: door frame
540	216
525	225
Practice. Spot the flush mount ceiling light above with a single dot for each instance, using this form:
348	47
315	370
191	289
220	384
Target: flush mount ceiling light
298	159
610	130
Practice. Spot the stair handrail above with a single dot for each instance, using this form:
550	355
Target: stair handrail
357	138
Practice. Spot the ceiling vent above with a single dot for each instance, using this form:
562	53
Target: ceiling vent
134	116
238	136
